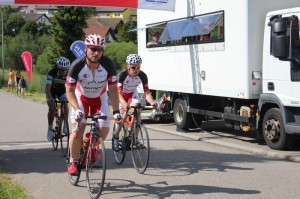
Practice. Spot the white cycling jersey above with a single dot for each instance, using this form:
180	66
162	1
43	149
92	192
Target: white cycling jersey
91	89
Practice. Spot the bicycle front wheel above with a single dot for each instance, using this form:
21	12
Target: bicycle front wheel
140	148
64	140
56	133
96	169
120	155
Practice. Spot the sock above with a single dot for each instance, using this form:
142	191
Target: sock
73	160
50	127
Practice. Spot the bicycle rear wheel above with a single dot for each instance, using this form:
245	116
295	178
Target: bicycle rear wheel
96	169
140	148
120	155
75	178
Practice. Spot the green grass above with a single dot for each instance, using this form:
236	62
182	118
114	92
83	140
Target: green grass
9	189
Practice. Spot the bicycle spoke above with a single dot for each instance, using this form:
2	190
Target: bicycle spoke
140	149
123	145
95	169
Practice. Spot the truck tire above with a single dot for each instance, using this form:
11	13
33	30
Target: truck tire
273	130
182	119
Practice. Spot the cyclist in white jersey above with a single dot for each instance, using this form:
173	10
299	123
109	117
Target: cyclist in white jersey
128	81
86	88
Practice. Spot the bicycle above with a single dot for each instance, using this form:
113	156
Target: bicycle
92	157
59	120
133	137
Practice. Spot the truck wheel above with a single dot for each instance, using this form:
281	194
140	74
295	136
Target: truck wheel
273	130
182	118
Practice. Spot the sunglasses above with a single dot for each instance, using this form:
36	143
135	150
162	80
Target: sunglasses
135	67
96	49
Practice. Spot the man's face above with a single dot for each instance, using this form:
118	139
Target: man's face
94	53
134	70
62	73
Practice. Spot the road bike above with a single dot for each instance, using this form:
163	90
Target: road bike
133	137
59	120
92	157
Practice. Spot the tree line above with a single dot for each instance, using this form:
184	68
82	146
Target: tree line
47	43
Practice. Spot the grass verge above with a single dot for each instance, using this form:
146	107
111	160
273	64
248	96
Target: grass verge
9	189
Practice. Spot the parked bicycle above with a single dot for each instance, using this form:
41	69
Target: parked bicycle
92	157
133	137
60	121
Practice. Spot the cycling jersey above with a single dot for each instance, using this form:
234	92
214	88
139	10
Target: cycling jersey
57	82
90	86
91	89
128	85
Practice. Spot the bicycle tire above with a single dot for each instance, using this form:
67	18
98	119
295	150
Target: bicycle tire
75	178
56	133
96	170
64	137
120	155
140	153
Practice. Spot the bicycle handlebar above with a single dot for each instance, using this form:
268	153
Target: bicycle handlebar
93	117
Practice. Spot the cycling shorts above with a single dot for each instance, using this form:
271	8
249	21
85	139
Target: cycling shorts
131	98
91	106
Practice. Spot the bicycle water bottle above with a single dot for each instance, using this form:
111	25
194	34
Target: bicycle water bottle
85	142
129	120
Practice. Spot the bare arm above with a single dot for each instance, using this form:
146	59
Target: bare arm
122	101
149	98
47	91
70	91
114	96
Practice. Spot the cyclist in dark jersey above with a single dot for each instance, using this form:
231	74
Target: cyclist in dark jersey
55	88
88	80
128	81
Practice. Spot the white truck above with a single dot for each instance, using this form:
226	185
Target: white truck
237	60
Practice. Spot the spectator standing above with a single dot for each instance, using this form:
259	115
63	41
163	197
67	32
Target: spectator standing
11	79
17	79
23	85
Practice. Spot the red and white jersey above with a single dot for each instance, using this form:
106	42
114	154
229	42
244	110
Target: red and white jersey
90	86
128	84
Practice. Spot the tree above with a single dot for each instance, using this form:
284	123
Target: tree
13	51
14	24
118	51
47	60
68	25
32	28
126	32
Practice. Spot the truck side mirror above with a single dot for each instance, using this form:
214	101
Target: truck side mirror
285	38
279	40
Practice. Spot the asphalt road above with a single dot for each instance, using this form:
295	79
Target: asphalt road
211	163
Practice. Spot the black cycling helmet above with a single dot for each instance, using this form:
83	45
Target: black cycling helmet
133	59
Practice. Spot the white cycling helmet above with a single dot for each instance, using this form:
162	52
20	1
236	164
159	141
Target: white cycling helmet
63	63
94	40
133	59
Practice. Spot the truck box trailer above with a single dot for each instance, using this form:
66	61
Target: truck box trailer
237	60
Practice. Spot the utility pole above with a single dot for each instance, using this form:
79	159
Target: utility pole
2	46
